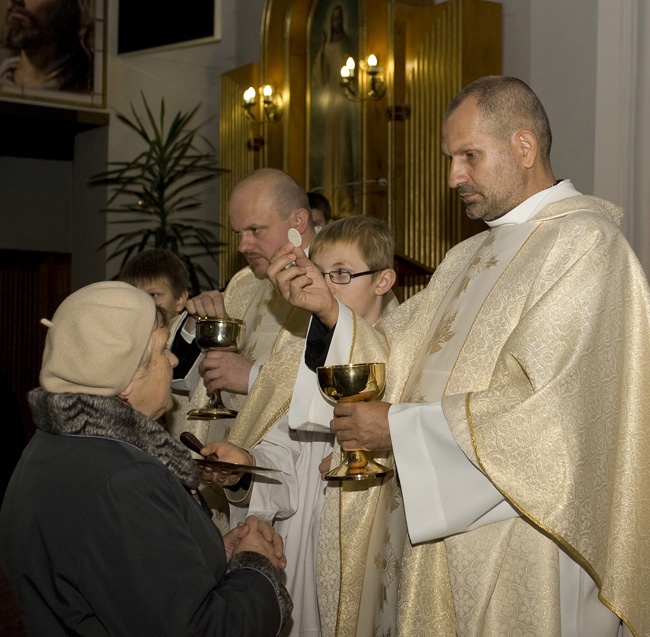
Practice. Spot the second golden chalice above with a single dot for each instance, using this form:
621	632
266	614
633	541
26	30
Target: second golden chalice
352	383
226	334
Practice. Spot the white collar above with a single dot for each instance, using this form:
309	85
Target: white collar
526	210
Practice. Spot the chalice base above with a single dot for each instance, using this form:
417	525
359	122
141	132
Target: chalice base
211	413
351	469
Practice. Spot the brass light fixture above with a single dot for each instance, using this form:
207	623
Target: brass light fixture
371	83
255	140
271	101
249	102
273	105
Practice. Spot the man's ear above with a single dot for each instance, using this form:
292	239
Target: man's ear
385	282
525	143
181	301
300	219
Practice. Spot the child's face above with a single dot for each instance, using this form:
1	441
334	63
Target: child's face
162	294
361	294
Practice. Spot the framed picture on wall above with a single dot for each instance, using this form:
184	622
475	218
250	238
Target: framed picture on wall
334	120
151	25
53	52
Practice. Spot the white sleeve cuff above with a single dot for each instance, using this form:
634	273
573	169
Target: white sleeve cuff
444	492
252	375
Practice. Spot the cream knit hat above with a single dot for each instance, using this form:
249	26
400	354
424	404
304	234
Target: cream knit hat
96	339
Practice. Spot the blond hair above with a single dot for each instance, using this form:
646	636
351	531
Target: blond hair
371	236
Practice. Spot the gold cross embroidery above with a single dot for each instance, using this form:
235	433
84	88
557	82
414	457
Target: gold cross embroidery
442	334
484	260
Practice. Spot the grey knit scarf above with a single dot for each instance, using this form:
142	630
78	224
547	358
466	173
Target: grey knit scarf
109	417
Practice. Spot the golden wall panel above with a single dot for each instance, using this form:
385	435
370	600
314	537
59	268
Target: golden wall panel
431	216
429	51
238	136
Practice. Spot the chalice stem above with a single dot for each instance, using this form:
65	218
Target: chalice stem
357	459
357	465
215	400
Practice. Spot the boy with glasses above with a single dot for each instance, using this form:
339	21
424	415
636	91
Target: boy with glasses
355	255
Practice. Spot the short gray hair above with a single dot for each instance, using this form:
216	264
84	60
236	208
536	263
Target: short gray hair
507	104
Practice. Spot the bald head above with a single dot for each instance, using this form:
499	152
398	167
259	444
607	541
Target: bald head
263	208
281	190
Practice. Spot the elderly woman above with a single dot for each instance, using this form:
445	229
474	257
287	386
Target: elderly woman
101	531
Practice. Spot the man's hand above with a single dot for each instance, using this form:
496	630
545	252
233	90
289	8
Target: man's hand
325	465
205	304
226	452
225	370
304	285
261	538
362	425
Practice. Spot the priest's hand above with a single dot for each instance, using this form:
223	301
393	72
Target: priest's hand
225	370
304	285
205	304
226	452
362	425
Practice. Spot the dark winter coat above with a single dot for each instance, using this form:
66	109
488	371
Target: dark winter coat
100	535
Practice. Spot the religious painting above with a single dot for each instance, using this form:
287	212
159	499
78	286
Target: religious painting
53	51
334	119
153	25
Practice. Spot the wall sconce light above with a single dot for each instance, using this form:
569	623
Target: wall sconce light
249	101
371	83
255	141
273	105
271	101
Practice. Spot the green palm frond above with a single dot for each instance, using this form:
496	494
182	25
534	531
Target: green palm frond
157	189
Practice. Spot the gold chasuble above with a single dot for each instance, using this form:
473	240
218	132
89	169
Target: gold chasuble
271	393
545	384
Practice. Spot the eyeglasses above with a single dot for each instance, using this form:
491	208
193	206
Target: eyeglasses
343	277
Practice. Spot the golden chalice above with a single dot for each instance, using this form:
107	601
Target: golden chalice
353	383
226	334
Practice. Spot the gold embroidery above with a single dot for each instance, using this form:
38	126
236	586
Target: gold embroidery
338	610
483	261
275	303
354	335
393	497
568	548
387	564
442	334
259	314
284	408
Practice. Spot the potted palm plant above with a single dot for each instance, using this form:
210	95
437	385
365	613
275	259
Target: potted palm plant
158	190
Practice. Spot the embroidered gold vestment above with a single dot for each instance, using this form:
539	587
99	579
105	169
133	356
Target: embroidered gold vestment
548	396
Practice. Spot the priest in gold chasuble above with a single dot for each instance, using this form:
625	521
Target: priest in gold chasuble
517	408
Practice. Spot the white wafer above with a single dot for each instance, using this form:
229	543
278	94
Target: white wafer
294	237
